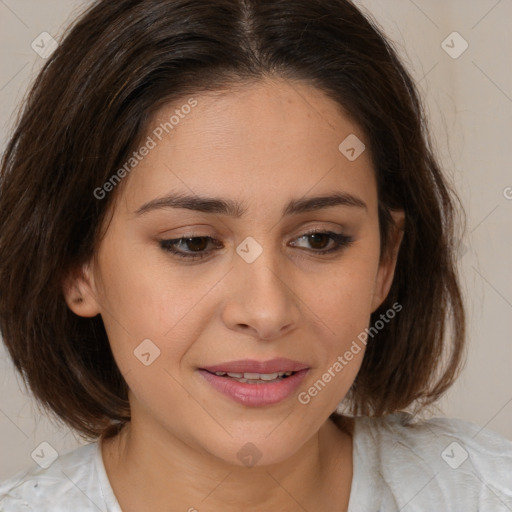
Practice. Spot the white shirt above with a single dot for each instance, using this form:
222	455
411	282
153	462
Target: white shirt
437	465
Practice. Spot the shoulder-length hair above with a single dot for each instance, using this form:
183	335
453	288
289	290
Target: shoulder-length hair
88	109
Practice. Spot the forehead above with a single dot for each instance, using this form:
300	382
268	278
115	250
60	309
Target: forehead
265	140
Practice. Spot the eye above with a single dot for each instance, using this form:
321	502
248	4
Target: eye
320	238
195	244
194	247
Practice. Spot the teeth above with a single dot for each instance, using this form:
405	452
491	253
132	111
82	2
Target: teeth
263	376
249	377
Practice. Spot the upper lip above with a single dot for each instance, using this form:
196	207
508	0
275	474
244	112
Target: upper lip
253	366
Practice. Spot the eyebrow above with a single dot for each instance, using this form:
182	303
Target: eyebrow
236	210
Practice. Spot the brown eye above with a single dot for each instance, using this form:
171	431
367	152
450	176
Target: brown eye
191	247
196	244
319	240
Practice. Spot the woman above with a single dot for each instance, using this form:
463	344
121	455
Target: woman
231	223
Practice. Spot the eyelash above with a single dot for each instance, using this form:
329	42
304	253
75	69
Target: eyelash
342	241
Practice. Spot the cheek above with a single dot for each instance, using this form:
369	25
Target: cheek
343	296
342	306
344	312
143	298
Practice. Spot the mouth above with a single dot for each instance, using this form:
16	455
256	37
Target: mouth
279	365
256	383
254	378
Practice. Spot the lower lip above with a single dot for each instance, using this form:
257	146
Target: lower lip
256	394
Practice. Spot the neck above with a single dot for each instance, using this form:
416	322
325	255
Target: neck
149	469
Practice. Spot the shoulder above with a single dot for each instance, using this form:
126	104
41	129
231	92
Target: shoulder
68	483
421	462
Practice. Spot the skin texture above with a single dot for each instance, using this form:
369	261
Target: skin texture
263	144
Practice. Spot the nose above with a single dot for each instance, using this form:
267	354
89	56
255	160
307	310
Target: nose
260	300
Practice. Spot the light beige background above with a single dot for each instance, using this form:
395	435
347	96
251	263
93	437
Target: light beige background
469	100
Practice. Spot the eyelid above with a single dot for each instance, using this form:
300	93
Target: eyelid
341	241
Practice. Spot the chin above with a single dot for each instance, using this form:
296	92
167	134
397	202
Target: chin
260	449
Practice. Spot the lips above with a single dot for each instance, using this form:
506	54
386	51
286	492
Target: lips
256	383
255	393
277	365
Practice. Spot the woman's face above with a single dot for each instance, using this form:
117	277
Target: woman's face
260	288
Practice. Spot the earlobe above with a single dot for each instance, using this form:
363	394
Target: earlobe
79	292
387	266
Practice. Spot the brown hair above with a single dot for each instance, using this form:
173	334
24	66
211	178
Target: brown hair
85	114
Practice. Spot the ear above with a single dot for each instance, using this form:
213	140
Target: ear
79	291
387	265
